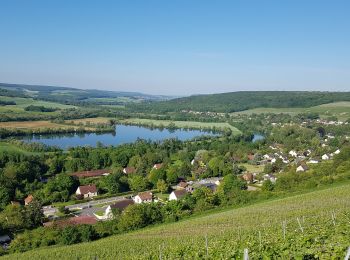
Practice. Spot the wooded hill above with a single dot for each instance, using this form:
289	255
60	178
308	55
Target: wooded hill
239	101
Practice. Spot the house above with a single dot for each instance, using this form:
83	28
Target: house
143	197
313	161
181	185
177	194
337	151
293	153
270	177
325	157
302	168
248	177
87	191
29	199
91	174
157	166
129	170
119	205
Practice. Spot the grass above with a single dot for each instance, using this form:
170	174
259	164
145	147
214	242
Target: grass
253	168
181	124
339	109
6	147
309	230
24	102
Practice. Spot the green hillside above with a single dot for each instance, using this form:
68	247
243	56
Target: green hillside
239	101
316	226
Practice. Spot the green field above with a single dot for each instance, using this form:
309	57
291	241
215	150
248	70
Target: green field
6	147
339	109
181	124
22	103
309	230
253	168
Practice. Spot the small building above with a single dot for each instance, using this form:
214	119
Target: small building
313	161
129	170
29	199
270	177
302	168
143	197
325	157
119	205
177	194
337	151
157	166
87	191
248	177
181	185
293	153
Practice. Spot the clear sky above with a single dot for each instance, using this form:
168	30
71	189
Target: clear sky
177	47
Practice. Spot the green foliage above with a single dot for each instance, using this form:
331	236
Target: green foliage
239	101
258	227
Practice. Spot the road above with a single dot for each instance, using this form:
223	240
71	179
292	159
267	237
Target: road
85	208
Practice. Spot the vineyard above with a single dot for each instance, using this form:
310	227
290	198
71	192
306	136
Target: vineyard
315	225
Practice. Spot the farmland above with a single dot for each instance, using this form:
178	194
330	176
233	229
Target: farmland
314	224
181	124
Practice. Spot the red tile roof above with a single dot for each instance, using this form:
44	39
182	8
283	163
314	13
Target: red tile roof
146	195
129	170
122	204
180	193
158	166
87	188
29	199
93	173
80	220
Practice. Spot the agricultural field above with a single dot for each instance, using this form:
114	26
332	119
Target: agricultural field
181	124
339	109
24	102
36	125
314	225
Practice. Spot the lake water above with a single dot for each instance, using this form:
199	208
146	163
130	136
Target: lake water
123	134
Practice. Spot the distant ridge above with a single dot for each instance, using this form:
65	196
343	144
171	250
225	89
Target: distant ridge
244	100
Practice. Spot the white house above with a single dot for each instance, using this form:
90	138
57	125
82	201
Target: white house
325	157
293	153
302	168
119	205
313	161
143	197
177	194
337	151
87	191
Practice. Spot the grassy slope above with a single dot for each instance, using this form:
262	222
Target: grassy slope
230	231
12	148
338	109
189	124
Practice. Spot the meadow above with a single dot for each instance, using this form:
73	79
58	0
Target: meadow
314	225
181	124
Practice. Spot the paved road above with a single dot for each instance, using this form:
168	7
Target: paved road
85	208
94	202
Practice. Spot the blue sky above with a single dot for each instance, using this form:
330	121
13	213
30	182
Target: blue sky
177	47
